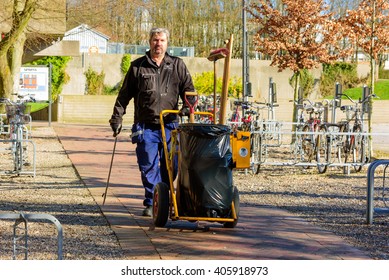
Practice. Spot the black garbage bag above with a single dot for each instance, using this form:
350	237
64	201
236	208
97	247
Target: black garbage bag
205	186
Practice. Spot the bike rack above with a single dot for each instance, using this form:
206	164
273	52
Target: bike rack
370	190
25	218
294	159
23	172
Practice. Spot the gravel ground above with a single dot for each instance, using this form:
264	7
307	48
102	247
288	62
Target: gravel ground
334	201
56	190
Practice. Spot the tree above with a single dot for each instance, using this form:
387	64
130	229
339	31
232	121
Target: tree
301	35
122	20
368	25
25	20
205	24
340	7
11	45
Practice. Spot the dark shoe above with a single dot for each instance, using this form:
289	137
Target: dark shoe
147	211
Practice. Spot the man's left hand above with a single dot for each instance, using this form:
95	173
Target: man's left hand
184	112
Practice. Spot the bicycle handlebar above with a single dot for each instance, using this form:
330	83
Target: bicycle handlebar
360	101
267	104
6	100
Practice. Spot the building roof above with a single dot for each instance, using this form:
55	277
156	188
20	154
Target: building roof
82	28
61	48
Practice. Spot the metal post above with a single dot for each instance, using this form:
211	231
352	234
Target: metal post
336	103
50	92
245	57
270	115
370	188
18	221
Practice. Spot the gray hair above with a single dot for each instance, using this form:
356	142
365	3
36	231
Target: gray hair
158	30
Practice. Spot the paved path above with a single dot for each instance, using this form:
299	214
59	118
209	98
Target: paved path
262	232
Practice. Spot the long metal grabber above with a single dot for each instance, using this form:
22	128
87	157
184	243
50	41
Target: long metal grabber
110	166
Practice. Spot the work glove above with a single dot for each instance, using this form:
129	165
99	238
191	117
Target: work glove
184	112
116	126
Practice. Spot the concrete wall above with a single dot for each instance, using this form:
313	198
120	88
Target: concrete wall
89	109
98	110
260	73
75	107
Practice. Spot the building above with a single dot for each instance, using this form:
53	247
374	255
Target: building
91	41
120	48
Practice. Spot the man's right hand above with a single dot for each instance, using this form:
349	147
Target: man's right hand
116	128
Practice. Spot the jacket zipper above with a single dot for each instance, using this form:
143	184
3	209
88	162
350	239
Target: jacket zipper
159	88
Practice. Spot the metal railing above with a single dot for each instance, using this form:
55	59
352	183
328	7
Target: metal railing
281	136
370	190
31	170
23	218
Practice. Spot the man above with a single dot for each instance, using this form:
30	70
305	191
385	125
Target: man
155	82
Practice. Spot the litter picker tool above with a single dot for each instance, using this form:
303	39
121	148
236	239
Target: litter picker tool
110	166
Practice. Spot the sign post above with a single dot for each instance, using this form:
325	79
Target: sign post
34	83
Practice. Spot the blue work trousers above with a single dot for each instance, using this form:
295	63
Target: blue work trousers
151	158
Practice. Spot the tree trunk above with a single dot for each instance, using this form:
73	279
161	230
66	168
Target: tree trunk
17	52
10	63
6	82
12	45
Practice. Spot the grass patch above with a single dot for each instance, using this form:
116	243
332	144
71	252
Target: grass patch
37	106
381	88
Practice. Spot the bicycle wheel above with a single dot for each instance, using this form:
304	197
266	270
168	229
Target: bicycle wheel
17	148
18	162
331	147
359	148
307	146
342	144
322	150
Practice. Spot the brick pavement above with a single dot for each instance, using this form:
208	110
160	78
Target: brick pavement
262	232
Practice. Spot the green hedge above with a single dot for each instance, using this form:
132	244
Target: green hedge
340	72
204	84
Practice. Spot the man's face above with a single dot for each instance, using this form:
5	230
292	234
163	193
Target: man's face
158	44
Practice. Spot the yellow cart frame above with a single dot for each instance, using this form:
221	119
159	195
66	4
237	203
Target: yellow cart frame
165	205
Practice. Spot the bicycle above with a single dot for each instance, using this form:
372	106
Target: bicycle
18	132
3	126
235	120
265	133
351	141
312	140
251	122
206	104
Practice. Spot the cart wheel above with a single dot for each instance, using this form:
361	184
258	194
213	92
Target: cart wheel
237	208
161	204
